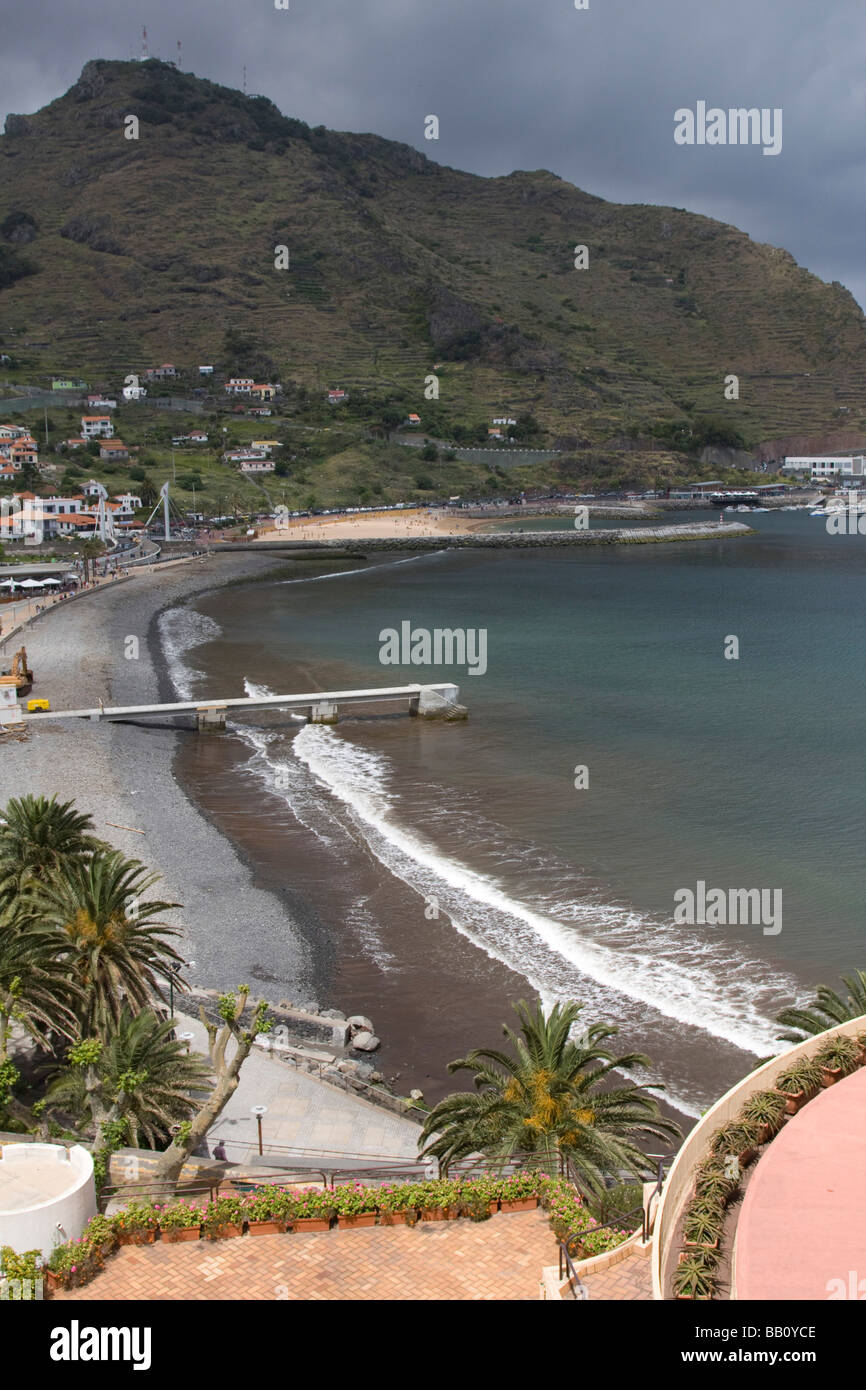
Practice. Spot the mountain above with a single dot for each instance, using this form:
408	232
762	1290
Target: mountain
117	254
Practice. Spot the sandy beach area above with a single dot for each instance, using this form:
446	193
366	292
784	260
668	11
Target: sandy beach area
420	521
122	774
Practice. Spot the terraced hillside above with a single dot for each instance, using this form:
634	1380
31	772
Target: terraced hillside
117	254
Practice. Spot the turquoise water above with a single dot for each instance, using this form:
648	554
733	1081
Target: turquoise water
742	773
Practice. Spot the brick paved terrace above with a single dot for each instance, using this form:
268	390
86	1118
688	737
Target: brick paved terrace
499	1259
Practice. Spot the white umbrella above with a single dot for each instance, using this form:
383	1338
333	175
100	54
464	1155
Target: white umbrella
7	583
31	584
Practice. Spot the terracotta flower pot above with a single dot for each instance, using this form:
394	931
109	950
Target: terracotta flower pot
312	1223
392	1218
830	1075
358	1218
141	1237
433	1214
53	1281
794	1102
493	1207
519	1204
230	1231
274	1227
701	1245
179	1233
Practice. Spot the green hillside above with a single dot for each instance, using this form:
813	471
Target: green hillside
119	254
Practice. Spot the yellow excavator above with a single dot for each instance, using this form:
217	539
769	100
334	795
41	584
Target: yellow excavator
19	673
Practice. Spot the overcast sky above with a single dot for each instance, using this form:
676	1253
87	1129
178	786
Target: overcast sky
529	84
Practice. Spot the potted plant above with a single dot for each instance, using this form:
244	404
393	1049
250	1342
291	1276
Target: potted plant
398	1206
798	1083
313	1209
137	1223
475	1199
694	1276
73	1264
267	1209
703	1226
223	1217
861	1049
836	1058
714	1181
438	1199
766	1111
737	1138
180	1221
356	1205
519	1192
101	1232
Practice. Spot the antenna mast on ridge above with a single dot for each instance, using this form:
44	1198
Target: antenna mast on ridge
144	53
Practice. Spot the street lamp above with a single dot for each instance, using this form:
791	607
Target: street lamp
174	974
259	1111
186	1038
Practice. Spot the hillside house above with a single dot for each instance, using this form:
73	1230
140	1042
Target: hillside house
128	502
67	383
77	442
261	465
205	371
493	433
337	397
113	451
166	372
97	426
260	410
13	432
413	420
101	403
262	392
264	446
239	385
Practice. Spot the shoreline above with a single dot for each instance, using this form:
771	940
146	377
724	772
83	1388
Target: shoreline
123	775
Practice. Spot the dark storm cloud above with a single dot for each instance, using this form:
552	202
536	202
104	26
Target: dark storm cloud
531	84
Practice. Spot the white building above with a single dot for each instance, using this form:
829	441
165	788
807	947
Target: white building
825	467
240	385
97	426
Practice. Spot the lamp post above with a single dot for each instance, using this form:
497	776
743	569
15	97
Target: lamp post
174	974
259	1111
186	1038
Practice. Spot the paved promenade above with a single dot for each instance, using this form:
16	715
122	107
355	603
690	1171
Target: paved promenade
499	1259
303	1113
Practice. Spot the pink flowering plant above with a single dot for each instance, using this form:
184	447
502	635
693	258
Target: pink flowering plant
268	1203
223	1211
179	1216
313	1202
136	1216
354	1199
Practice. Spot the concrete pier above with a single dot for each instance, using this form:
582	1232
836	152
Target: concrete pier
440	700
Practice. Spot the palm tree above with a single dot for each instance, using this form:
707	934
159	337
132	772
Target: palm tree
114	945
826	1010
141	1074
37	836
35	989
547	1099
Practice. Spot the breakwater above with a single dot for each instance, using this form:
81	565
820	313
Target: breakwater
504	540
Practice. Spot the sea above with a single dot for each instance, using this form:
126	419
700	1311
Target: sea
620	749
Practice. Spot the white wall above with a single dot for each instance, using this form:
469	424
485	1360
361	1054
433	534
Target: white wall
47	1224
